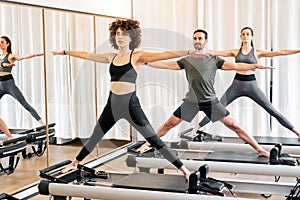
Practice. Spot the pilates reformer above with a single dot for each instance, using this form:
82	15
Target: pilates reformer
38	136
202	136
277	168
124	185
279	164
132	185
10	149
206	141
110	186
35	136
277	157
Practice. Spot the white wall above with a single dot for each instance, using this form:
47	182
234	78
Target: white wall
117	8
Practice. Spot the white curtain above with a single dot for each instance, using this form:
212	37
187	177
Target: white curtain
75	87
24	27
162	91
286	84
223	20
71	80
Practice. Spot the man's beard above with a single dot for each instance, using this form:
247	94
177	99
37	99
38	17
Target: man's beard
199	47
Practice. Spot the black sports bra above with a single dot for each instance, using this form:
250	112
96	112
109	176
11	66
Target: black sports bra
123	73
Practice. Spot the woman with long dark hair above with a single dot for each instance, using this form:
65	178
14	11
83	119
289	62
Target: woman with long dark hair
7	82
244	83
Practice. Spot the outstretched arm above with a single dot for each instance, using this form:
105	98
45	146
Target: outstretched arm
22	57
261	53
171	65
225	53
143	57
101	58
243	66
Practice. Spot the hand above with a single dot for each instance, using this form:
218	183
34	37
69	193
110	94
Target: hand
258	66
7	64
145	147
58	53
71	166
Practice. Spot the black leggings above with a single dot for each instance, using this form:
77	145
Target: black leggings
246	85
128	107
8	86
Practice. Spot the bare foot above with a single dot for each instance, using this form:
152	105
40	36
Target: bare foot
10	137
69	167
185	172
42	123
145	147
263	153
187	176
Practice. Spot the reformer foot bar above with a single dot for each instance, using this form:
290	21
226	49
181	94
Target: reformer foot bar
37	135
11	148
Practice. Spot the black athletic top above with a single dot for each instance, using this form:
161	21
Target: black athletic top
248	58
5	60
123	73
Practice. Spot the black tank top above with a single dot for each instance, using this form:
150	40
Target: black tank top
248	58
123	73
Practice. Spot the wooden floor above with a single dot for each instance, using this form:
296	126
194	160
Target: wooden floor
26	172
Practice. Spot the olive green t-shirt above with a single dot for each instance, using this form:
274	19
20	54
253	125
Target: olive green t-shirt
200	73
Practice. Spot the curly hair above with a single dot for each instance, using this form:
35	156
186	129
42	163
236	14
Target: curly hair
132	27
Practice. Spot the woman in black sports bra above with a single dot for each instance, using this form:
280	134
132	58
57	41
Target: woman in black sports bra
125	36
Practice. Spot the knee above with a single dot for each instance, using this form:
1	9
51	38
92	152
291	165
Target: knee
170	124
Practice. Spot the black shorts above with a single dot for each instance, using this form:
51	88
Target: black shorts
213	109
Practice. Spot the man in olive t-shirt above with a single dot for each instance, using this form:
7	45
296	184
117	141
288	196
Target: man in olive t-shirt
200	73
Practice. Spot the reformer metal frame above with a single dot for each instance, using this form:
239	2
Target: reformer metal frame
32	190
241	147
10	149
248	186
109	193
240	168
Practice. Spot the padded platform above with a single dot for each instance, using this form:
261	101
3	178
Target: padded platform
231	156
275	140
158	182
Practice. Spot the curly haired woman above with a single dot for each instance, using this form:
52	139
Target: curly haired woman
125	36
